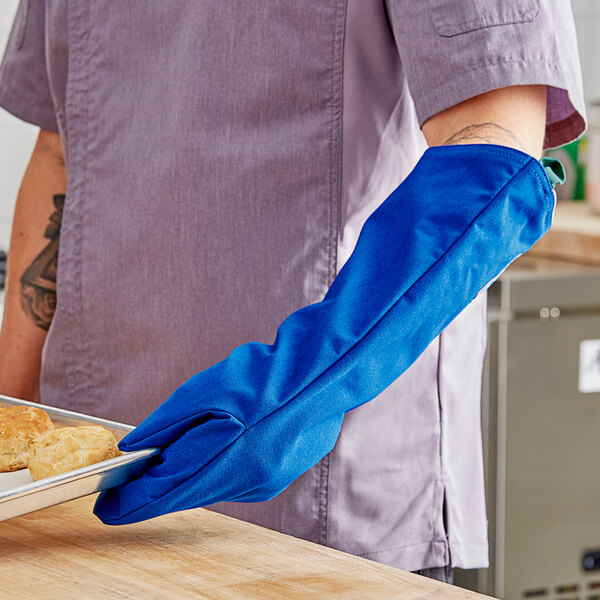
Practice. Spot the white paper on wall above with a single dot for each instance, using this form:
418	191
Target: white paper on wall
589	366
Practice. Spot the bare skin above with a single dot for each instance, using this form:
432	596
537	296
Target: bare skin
38	282
31	287
513	116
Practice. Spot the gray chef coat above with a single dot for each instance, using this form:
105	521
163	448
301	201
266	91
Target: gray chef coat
222	156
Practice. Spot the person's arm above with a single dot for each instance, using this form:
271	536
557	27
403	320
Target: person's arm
31	282
245	428
512	116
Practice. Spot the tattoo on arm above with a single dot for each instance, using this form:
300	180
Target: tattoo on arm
38	282
487	133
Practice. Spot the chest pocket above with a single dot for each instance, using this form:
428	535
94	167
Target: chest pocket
451	17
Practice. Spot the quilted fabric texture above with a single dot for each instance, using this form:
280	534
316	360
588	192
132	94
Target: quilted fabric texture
245	428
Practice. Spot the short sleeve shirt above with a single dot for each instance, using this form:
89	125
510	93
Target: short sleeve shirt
222	158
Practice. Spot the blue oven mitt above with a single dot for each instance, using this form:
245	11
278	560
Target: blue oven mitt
245	428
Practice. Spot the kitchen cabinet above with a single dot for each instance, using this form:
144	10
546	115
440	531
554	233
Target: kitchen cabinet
541	429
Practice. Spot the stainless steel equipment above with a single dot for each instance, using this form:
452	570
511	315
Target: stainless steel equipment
20	495
541	429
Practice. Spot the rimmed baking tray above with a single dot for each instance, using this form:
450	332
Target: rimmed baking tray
19	494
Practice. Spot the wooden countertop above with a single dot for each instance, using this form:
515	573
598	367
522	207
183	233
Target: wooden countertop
66	552
574	235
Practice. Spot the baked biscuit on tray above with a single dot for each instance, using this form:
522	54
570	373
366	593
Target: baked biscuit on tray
19	428
67	448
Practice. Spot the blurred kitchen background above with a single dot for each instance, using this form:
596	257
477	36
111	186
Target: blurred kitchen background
17	141
541	391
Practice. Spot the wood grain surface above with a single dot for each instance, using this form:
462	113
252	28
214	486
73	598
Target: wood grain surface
574	235
66	552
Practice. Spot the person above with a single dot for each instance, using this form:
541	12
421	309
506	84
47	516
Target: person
221	159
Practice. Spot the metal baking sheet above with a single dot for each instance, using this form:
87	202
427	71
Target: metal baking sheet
19	494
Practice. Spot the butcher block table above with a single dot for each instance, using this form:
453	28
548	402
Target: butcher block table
66	552
574	235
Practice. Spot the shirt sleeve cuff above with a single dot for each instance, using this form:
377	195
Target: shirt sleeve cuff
42	116
565	114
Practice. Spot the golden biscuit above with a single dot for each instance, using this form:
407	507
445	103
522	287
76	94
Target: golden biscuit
19	427
67	448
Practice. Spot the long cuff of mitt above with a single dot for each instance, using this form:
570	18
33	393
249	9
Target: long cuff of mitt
245	428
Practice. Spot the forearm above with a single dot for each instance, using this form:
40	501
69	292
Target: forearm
512	116
31	277
458	220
